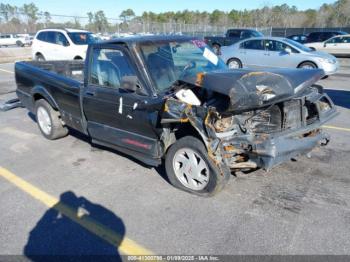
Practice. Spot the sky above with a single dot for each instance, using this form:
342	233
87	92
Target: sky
113	8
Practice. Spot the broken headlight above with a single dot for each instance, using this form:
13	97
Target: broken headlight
324	105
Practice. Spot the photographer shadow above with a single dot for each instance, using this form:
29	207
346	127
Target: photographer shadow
75	229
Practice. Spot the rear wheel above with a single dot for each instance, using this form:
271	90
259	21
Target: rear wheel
307	65
19	43
49	121
234	63
190	169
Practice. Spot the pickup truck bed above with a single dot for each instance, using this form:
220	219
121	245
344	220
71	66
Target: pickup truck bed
65	68
57	81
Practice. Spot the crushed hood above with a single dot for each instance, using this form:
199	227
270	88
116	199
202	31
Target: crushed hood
249	88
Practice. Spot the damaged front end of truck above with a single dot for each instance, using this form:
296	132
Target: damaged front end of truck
250	119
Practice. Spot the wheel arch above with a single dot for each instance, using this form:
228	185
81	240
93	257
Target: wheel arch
40	92
38	53
307	61
182	130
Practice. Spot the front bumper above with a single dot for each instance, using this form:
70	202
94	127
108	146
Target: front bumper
274	151
267	150
329	68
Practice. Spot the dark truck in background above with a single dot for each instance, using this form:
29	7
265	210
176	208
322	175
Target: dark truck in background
232	36
171	98
315	37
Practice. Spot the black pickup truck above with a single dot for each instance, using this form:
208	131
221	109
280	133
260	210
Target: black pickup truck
232	36
171	98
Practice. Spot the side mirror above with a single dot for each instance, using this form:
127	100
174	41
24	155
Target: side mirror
130	83
325	44
288	50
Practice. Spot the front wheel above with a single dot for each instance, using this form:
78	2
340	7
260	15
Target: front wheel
48	120
190	169
307	65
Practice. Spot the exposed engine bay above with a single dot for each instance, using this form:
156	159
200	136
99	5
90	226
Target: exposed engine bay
252	119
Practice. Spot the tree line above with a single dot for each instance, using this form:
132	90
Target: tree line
28	18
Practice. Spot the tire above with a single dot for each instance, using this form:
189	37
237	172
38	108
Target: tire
210	181
19	43
234	63
307	65
39	57
49	121
78	58
216	48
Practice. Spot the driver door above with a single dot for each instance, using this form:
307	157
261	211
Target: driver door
115	115
333	45
278	57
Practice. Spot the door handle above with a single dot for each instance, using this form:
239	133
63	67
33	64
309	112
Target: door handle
89	93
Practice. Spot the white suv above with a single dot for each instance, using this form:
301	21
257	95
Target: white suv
61	44
11	39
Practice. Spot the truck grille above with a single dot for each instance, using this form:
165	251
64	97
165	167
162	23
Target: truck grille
292	114
284	116
267	121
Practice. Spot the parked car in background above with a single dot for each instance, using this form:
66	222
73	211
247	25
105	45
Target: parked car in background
61	44
298	38
13	39
232	36
28	39
272	52
323	36
338	46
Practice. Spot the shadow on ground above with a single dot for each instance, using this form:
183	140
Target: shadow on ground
339	97
61	233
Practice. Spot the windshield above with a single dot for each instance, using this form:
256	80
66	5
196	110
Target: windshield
298	45
82	38
169	61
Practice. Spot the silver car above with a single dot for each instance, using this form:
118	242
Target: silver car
275	52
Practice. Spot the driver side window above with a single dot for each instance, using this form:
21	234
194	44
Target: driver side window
108	67
335	40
